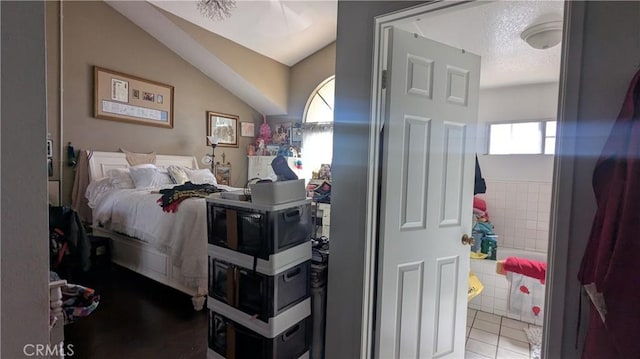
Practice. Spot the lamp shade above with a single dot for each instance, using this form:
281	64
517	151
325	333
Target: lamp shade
213	140
544	35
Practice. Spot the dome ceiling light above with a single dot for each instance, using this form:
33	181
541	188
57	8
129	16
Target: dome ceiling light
544	35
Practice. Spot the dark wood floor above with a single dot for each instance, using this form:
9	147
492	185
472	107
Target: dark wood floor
138	318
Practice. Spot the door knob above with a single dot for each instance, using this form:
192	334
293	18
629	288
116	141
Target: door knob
467	240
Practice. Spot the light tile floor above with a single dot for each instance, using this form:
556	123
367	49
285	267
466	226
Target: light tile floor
491	336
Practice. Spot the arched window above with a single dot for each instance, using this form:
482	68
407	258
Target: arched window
317	128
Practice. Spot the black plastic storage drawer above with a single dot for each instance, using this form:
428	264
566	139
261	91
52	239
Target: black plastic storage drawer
258	232
259	294
232	340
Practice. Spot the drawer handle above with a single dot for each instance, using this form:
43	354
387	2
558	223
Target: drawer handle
288	277
292	216
291	332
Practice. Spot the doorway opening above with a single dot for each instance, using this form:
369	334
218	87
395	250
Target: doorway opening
519	85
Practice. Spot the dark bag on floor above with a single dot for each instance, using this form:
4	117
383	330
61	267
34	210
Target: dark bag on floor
69	247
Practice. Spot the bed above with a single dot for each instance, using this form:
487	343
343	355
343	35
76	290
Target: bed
170	248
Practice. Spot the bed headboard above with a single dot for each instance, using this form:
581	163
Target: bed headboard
101	162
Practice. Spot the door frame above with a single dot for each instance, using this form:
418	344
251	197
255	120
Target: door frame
562	186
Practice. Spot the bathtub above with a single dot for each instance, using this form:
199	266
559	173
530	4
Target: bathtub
495	296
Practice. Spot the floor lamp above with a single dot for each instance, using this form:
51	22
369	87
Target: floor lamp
211	158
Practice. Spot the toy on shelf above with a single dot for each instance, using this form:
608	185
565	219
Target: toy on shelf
265	131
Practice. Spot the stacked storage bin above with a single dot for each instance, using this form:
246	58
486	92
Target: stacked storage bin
259	279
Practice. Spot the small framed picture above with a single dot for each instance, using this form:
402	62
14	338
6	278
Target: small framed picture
223	173
119	90
148	96
159	98
247	129
282	134
136	94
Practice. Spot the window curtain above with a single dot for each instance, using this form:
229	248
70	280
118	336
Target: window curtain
317	148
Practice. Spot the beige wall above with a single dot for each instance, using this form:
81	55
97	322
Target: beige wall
270	77
306	75
95	34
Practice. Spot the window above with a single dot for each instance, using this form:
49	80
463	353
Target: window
531	137
317	128
320	104
550	138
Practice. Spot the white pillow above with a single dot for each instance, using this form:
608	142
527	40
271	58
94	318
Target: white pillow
146	177
178	174
121	178
162	178
203	176
96	189
145	165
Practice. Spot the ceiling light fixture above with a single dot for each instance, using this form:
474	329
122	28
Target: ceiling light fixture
216	9
544	35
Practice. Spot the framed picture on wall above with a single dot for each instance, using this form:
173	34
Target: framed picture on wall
127	98
224	127
222	172
247	129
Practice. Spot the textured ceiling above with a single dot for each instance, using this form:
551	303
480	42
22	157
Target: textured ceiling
290	30
284	30
492	30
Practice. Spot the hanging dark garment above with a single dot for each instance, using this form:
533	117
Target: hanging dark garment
66	223
480	186
611	264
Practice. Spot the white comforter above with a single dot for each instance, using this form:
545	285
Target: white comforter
134	212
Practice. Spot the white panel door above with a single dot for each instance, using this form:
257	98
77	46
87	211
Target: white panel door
426	198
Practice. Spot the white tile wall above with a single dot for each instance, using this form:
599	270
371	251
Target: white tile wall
519	212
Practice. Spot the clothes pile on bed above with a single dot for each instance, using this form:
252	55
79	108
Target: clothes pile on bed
172	197
485	240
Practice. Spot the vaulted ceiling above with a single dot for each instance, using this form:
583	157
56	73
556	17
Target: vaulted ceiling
280	33
286	31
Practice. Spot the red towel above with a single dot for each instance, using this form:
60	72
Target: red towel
527	267
480	204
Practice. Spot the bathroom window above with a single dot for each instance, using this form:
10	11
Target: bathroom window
526	137
550	138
